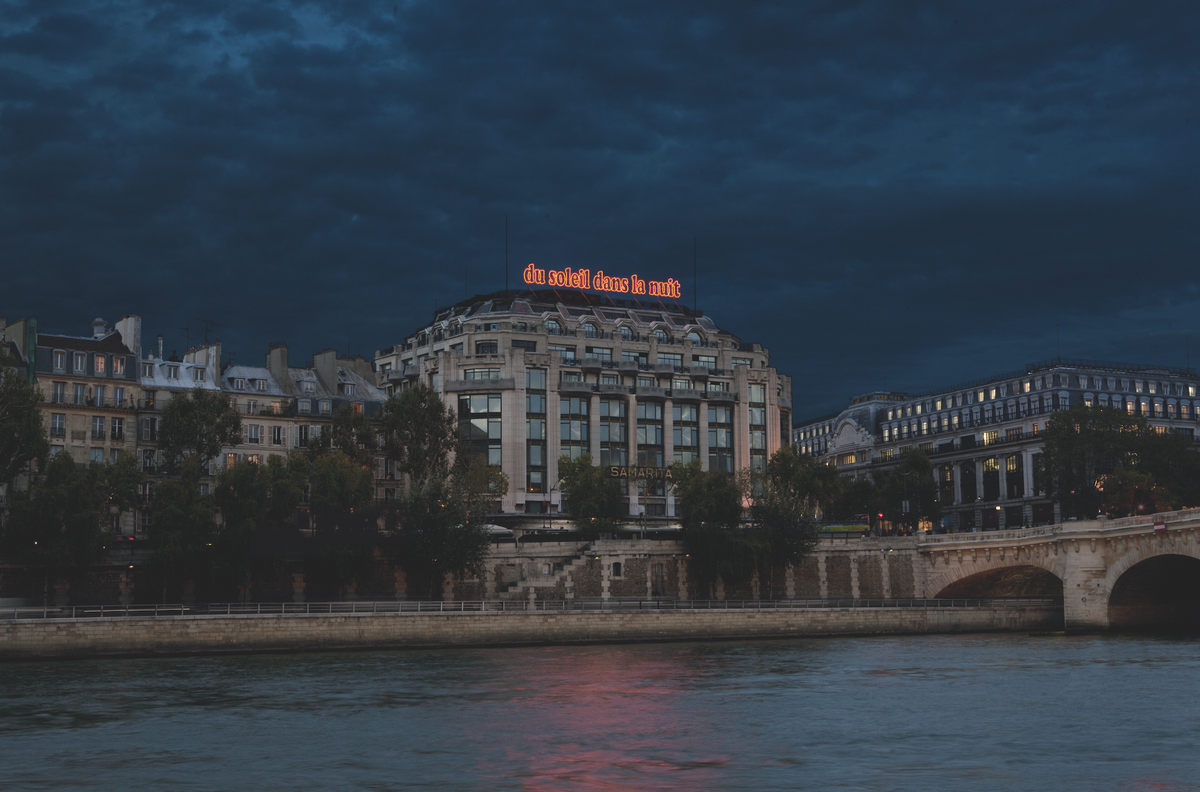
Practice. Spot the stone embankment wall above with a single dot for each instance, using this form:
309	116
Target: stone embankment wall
225	634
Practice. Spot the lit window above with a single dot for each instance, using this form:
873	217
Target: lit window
118	368
358	408
98	362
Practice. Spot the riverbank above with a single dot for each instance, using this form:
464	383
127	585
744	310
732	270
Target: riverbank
219	634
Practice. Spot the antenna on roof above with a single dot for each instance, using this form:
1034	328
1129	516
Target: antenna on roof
187	337
208	325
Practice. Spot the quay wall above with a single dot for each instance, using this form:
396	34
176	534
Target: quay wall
29	639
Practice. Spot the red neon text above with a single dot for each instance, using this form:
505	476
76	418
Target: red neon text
583	279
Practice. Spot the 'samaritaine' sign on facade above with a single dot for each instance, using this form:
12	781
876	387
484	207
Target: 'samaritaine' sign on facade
583	279
643	473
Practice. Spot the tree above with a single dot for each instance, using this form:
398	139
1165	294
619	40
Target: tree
783	513
352	434
594	498
22	436
60	523
196	426
709	505
421	435
256	503
1103	459
439	515
910	481
185	526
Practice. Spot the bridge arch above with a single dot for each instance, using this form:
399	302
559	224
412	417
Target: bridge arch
994	570
1156	585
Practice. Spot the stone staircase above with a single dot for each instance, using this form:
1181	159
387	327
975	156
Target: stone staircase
537	586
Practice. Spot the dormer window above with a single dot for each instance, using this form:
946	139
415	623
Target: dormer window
326	407
590	331
304	406
98	363
199	375
172	372
60	360
148	370
239	383
347	388
80	362
260	385
552	326
626	333
308	386
661	335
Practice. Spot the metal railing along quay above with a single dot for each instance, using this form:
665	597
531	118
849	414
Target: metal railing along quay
208	610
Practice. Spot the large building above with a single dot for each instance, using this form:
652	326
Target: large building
640	385
983	436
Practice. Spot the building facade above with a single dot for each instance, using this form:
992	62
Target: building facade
638	385
983	437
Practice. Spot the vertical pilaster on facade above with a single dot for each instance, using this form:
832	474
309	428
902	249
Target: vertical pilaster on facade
854	577
1003	477
704	436
631	450
789	581
668	434
1027	472
594	428
681	571
553	443
513	454
886	576
957	483
822	577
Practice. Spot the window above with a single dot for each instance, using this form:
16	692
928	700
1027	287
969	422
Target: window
60	360
254	459
345	388
528	346
479	421
553	327
149	429
991	437
59	395
646	382
573	426
590	331
199	375
253	434
572	376
626	333
148	370
741	362
239	383
720	438
113	455
603	353
58	424
614	433
566	353
276	435
685	432
481	374
610	379
230	460
683	384
670	358
117	425
172	372
1137	386
616	569
304	406
308	386
98	363
97	456
303	434
118	367
97	427
650	434
357	408
80	362
326	407
80	394
708	361
486	347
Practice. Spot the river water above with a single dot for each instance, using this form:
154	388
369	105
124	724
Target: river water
929	712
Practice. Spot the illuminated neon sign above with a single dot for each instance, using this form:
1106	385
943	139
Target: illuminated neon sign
584	279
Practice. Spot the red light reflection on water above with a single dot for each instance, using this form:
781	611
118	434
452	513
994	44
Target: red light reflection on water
602	720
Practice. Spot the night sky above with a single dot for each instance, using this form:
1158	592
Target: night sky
888	195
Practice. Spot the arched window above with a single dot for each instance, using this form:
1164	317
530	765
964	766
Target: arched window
661	335
552	327
626	333
695	338
590	331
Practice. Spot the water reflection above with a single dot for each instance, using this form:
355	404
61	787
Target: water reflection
942	712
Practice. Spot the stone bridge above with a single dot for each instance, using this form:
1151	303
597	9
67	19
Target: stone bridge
1131	572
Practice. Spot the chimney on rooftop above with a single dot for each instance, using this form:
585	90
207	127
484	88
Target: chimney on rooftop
160	347
97	327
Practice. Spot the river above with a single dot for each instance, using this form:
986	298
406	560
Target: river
936	712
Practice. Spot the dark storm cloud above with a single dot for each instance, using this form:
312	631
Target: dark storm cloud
887	195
